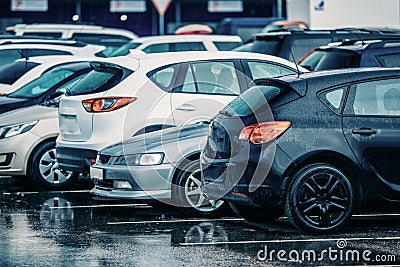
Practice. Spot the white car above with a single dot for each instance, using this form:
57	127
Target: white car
180	43
20	72
11	50
91	34
130	96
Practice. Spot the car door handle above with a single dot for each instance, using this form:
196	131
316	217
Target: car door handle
186	107
364	131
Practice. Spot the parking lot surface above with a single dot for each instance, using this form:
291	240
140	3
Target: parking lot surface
73	228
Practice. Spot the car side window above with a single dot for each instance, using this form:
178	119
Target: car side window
186	46
45	52
260	70
334	98
211	78
375	98
165	76
389	60
10	55
157	48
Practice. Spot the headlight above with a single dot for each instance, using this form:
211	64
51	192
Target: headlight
140	159
16	129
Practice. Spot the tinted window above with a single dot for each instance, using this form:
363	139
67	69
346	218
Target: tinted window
331	59
301	47
379	98
45	52
175	47
211	78
101	78
11	72
269	47
261	70
334	98
187	46
10	55
392	60
226	46
42	84
252	100
124	50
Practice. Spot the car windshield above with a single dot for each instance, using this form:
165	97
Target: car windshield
42	84
331	59
251	100
11	72
124	50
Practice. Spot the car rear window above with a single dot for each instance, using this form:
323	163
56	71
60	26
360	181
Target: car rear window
252	100
226	46
269	46
331	59
390	60
11	72
101	78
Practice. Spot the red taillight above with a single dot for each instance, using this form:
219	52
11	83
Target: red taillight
264	132
105	104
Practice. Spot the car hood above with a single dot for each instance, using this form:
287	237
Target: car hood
27	114
141	143
8	103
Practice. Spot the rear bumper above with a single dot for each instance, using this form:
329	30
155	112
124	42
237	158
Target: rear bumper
75	159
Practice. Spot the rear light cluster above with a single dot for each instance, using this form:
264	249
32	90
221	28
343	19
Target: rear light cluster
263	132
106	104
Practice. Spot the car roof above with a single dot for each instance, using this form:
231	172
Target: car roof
328	78
357	45
187	37
77	28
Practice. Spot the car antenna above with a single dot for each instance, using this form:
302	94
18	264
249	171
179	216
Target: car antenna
294	60
358	36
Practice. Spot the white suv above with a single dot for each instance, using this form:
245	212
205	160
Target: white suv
180	43
130	96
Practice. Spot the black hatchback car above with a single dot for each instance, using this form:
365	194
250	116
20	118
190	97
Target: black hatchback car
316	147
354	54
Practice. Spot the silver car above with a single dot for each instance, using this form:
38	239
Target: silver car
162	165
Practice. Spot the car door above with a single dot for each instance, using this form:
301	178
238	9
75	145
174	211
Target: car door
205	87
371	125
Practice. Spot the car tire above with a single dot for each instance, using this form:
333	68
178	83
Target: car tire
191	199
42	168
319	199
256	214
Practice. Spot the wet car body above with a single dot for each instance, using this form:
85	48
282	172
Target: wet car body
364	147
179	149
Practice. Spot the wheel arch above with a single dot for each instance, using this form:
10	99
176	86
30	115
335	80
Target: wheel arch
184	161
338	160
35	148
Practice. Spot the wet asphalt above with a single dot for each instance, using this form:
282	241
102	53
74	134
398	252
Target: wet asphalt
74	228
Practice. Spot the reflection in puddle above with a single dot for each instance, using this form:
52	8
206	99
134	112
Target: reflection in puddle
56	212
206	232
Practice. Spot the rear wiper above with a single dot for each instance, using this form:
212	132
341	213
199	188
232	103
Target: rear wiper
225	113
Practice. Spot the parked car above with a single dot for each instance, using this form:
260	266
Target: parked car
179	43
280	25
27	147
11	50
162	165
132	96
315	147
91	34
56	81
354	54
294	44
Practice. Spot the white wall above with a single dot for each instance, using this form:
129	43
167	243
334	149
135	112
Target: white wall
346	13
